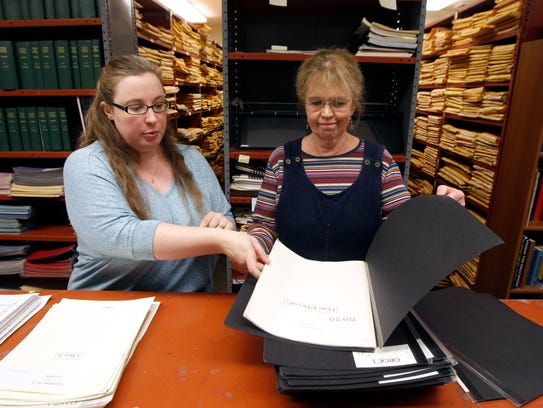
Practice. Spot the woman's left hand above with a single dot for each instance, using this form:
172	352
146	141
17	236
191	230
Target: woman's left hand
456	194
217	220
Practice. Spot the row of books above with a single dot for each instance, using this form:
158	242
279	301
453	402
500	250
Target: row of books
529	267
34	128
50	64
24	261
535	212
48	9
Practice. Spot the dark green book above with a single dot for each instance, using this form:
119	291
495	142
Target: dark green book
25	11
24	64
12	10
97	60
64	130
53	125
14	132
44	127
86	68
2	12
36	9
8	66
74	58
62	9
49	8
34	128
88	8
48	64
64	64
75	8
36	64
4	136
23	128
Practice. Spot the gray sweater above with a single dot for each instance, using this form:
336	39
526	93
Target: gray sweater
114	246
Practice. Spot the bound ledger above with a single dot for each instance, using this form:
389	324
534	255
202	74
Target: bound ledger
358	304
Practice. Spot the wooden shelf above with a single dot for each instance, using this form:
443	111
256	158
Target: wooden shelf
51	233
265	56
63	22
24	154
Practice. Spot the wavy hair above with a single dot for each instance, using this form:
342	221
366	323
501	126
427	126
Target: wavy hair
122	157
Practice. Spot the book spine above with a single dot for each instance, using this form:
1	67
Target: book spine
14	132
88	8
12	10
24	64
64	130
48	64
8	68
44	128
74	58
97	60
53	125
62	9
36	9
25	10
86	66
4	136
36	64
64	64
23	127
75	8
34	128
49	9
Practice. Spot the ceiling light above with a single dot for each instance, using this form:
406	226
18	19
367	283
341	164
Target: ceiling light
185	10
434	5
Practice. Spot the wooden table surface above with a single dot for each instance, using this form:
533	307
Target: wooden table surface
188	358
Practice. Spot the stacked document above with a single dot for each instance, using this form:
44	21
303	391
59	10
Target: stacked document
382	40
16	219
37	182
12	258
350	312
76	354
16	309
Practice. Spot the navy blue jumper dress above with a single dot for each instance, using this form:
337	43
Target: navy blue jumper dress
323	227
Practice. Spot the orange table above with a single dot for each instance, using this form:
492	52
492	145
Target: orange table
188	358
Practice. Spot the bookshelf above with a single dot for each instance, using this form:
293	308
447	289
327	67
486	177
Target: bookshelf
497	183
261	109
191	63
70	30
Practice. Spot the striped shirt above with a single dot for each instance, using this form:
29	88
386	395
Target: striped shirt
331	175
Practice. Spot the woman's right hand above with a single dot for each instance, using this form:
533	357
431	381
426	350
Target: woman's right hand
245	253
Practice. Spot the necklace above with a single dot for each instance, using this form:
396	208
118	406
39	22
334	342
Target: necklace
154	172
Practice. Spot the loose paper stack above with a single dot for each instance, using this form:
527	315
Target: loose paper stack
16	309
76	354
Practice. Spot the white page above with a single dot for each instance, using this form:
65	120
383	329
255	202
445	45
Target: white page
313	302
77	351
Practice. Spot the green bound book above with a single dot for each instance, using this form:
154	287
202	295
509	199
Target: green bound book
12	10
75	8
64	130
49	8
97	61
23	128
53	124
25	11
74	58
8	67
44	127
34	128
36	9
4	136
2	12
24	64
64	64
62	9
48	64
86	68
14	132
36	64
88	8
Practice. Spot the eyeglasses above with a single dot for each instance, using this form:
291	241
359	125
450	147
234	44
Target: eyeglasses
317	104
141	108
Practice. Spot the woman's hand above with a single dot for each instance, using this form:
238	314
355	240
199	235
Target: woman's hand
246	254
456	194
217	220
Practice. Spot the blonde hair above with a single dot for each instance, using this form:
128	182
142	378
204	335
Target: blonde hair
332	67
122	157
